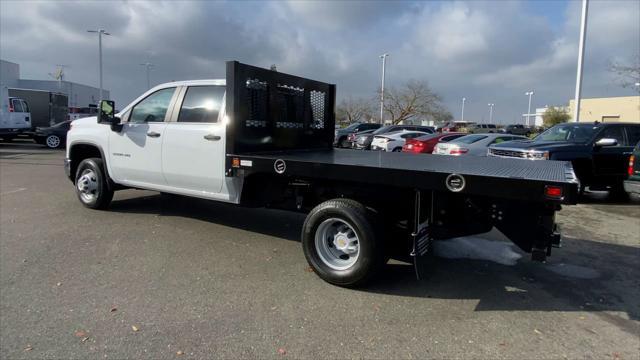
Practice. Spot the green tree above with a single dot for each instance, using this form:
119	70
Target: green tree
554	116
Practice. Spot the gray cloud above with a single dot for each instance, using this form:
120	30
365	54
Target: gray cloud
485	51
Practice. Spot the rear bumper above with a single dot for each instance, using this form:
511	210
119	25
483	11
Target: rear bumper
631	186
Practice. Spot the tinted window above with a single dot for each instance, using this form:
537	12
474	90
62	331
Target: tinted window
201	104
613	132
491	126
17	105
500	139
568	132
633	134
25	107
449	138
153	107
470	139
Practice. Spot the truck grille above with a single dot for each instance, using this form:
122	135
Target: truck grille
507	153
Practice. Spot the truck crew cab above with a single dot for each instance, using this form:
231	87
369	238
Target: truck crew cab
262	138
599	152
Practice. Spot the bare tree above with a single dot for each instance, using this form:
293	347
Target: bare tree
628	75
352	110
414	101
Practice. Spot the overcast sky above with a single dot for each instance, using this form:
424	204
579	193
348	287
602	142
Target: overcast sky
489	51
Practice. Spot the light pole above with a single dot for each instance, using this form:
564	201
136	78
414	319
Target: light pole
100	32
149	66
583	35
491	112
384	64
530	94
462	115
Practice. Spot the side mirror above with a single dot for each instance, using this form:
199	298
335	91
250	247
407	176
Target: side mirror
606	142
106	114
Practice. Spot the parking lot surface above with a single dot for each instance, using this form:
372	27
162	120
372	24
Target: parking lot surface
160	276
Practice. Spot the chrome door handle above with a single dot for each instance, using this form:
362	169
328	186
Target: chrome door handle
153	134
212	137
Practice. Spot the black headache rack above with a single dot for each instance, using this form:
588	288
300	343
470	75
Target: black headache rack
283	125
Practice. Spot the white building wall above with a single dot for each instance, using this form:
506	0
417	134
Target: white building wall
79	95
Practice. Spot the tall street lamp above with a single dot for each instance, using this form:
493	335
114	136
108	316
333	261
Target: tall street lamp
491	112
583	35
462	115
529	93
384	64
148	67
100	32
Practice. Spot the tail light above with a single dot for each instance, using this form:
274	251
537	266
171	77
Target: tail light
632	158
458	151
11	109
553	192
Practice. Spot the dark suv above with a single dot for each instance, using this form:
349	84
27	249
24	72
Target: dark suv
341	135
363	141
599	152
518	129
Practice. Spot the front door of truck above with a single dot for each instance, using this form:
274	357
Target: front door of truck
193	151
610	160
135	152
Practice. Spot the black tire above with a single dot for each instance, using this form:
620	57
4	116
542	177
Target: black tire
398	149
371	248
103	193
617	193
343	143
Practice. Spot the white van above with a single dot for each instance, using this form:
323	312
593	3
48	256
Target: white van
15	117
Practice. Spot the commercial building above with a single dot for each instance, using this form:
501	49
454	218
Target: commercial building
79	95
624	109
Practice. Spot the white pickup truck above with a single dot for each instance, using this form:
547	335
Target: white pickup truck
264	138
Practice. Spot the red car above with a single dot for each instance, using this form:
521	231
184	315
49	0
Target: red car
425	144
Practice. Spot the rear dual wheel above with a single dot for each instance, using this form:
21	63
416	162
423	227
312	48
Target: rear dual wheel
340	242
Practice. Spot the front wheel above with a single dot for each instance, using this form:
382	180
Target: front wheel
340	243
91	184
53	141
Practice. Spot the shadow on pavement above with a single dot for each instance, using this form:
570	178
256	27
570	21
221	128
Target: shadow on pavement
526	286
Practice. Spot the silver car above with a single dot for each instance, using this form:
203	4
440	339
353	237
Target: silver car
473	144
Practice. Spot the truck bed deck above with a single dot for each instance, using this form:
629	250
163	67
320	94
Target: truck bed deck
508	178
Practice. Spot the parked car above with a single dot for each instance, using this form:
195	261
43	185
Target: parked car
599	152
15	117
53	136
473	144
632	184
364	142
394	141
456	126
425	144
482	128
352	138
518	129
341	135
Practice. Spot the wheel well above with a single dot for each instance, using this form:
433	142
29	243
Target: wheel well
79	152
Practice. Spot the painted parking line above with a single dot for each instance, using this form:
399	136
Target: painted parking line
13	191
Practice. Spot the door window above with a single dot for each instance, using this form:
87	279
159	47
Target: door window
201	104
613	132
153	108
633	135
17	105
25	107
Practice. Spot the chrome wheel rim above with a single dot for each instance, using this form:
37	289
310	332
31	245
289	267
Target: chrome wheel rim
337	244
53	141
87	185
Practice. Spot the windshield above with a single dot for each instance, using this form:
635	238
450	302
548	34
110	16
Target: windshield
469	139
382	130
568	132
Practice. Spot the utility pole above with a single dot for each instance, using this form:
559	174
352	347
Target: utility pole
529	93
583	35
384	64
462	115
491	113
100	32
148	67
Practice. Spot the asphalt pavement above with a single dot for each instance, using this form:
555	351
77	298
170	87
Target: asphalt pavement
161	276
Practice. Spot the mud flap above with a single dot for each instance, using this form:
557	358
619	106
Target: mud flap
420	236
